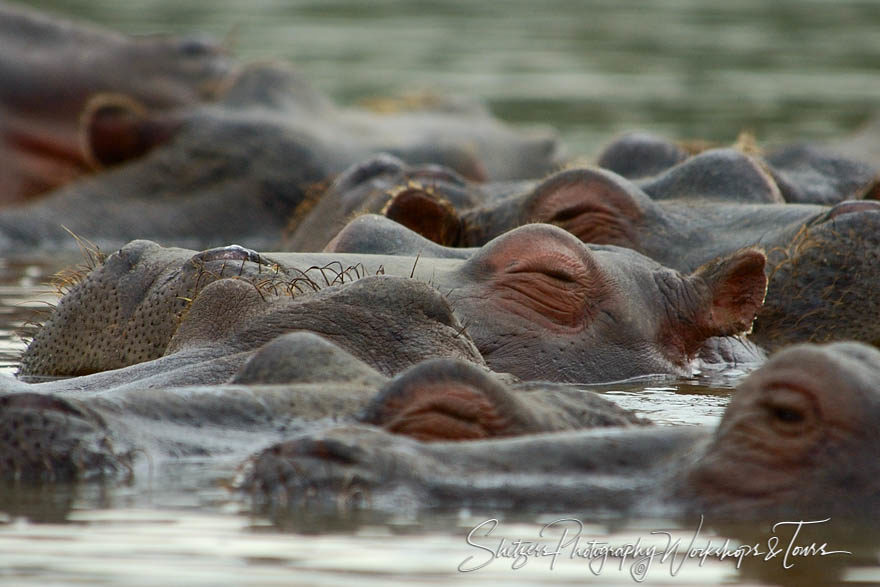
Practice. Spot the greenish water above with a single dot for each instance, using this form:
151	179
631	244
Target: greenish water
786	70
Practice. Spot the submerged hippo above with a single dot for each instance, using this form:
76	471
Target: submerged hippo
537	303
797	439
797	173
49	70
230	319
241	168
293	384
820	259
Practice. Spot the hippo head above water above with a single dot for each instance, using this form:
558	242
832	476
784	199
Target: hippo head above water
536	302
798	439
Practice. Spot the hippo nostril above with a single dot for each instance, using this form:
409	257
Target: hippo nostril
851	207
229	253
333	450
195	47
379	165
430	173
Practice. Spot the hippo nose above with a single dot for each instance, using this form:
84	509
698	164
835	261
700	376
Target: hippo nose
851	207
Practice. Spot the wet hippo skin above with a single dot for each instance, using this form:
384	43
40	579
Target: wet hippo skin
788	445
536	301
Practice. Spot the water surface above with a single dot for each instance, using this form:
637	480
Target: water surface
787	70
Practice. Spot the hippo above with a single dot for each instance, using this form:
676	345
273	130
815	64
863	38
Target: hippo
368	186
797	173
361	316
247	165
51	68
790	443
819	258
536	302
68	432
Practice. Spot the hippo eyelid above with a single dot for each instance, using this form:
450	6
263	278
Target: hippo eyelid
791	409
559	267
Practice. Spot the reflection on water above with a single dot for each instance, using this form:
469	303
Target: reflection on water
787	70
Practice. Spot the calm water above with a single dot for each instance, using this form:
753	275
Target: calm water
786	70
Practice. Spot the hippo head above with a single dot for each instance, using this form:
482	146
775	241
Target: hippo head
50	440
596	205
801	433
824	276
542	305
369	187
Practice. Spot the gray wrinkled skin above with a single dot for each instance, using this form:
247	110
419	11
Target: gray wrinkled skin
63	431
792	442
819	258
240	168
136	307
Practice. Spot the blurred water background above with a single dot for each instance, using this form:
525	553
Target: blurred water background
787	70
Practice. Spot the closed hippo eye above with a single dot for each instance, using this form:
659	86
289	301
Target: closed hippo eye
551	287
594	205
543	275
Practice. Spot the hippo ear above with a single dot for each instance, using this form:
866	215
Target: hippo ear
595	205
426	213
733	291
115	128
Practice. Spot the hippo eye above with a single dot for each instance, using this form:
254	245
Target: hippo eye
790	411
787	415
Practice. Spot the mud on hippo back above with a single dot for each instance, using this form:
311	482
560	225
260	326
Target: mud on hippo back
241	168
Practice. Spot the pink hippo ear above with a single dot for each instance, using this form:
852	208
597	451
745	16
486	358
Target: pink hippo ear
115	128
732	290
428	214
595	205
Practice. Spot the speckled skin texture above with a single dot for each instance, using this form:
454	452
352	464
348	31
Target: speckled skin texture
536	302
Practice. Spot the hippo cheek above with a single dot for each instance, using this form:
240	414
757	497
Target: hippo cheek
594	205
447	400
